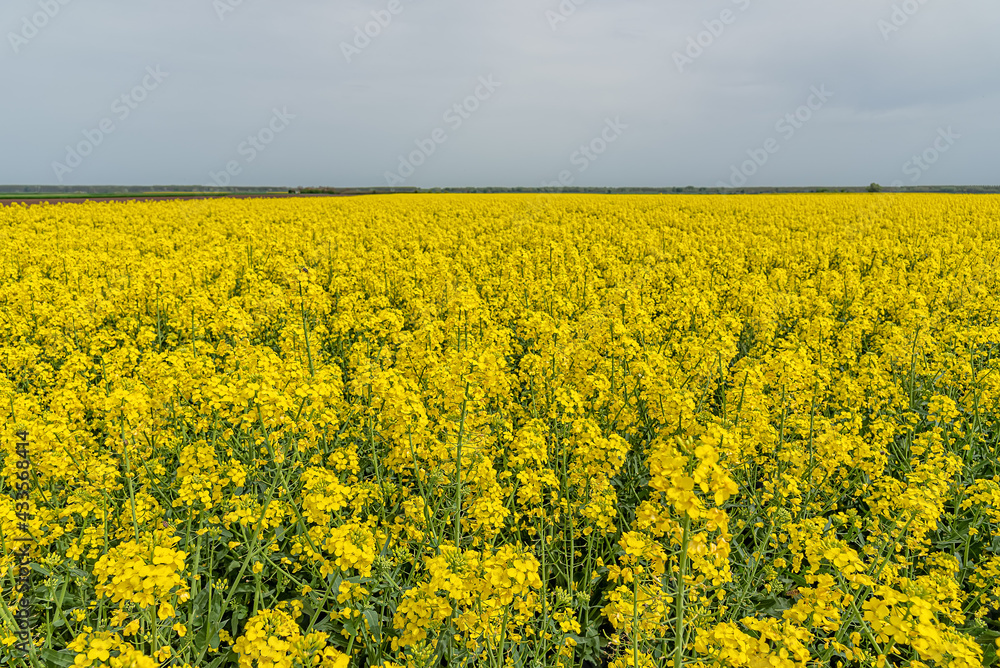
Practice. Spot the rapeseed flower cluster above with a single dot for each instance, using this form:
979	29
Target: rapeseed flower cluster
272	639
143	573
107	650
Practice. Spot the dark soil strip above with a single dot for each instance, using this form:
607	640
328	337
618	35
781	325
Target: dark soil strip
79	200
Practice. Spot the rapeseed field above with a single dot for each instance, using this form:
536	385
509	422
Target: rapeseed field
502	431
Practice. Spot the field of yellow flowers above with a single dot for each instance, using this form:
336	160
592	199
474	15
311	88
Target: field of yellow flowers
502	431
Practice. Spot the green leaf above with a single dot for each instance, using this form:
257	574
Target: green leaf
990	656
373	624
62	658
245	588
219	661
207	634
201	599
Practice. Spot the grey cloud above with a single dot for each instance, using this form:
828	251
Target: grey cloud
561	80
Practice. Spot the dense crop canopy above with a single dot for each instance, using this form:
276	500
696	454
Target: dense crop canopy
503	431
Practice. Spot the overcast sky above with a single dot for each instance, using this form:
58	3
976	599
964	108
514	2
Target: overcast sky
500	92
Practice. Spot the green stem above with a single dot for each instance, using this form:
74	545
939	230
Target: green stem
679	601
131	490
305	329
458	471
635	618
